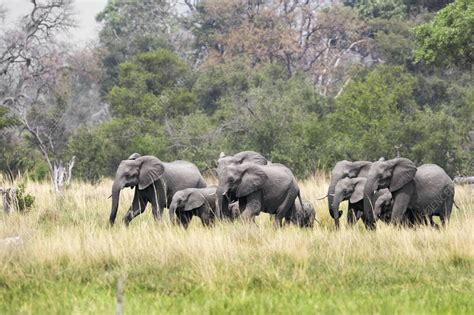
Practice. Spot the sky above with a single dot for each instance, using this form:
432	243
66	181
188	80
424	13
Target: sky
87	28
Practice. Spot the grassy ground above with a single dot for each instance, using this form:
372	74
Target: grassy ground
69	261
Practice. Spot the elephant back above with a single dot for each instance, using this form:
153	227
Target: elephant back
180	175
433	186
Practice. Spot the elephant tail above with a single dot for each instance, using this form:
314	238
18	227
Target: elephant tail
301	201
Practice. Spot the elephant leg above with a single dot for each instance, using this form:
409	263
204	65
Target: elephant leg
285	209
184	218
253	206
448	206
157	215
400	203
138	207
433	223
358	214
351	220
205	216
293	217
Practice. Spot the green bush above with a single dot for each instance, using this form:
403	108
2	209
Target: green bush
25	201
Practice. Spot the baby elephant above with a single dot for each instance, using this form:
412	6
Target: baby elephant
191	202
303	216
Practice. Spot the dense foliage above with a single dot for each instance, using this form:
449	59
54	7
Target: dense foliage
305	85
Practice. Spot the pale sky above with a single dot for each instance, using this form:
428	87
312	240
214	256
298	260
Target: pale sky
86	10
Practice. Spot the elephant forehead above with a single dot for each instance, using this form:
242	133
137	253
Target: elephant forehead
179	194
345	183
126	166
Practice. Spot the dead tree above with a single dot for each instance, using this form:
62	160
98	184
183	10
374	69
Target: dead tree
9	199
32	62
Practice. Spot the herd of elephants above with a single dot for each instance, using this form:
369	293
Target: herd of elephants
395	191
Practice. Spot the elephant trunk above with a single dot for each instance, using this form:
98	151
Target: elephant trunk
370	186
333	211
172	212
116	188
222	203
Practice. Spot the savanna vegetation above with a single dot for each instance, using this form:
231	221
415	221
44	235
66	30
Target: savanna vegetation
305	83
69	261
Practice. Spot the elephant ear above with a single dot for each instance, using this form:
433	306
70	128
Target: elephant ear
195	200
358	193
403	172
253	179
150	171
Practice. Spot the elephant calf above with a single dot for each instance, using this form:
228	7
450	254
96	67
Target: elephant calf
191	202
303	216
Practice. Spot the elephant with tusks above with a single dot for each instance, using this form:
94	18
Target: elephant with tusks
154	181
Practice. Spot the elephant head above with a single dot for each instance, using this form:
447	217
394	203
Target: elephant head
141	172
392	174
342	170
351	189
236	181
186	200
383	205
226	161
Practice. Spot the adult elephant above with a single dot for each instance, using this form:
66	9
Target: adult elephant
223	210
352	189
154	181
342	170
260	188
427	190
189	202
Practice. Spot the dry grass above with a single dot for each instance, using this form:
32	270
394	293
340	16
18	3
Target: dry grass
68	252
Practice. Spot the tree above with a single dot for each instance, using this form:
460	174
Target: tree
449	38
154	85
40	84
322	41
130	27
368	119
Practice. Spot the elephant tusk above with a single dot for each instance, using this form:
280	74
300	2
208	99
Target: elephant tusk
323	197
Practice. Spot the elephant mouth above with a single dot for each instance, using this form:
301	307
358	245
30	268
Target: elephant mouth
231	197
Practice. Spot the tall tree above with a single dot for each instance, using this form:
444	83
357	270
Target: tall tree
449	38
38	80
130	27
308	36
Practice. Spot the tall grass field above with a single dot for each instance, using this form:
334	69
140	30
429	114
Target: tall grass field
67	260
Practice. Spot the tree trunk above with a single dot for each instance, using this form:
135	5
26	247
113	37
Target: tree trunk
61	175
9	199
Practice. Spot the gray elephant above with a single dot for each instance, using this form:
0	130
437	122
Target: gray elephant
353	189
234	211
260	188
189	202
342	170
427	191
225	161
304	215
383	204
154	181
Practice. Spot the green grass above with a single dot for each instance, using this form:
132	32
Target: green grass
70	261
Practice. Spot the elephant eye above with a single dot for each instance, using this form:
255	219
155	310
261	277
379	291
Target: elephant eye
344	191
